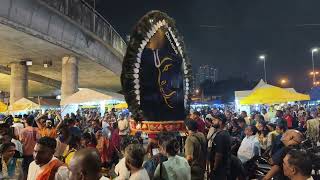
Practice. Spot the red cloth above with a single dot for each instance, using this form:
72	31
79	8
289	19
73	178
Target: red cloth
201	125
289	120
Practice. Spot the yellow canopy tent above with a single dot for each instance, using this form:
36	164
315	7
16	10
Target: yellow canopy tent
121	106
23	104
268	94
3	107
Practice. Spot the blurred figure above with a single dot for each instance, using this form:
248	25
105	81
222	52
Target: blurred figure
195	150
86	165
297	165
134	155
175	167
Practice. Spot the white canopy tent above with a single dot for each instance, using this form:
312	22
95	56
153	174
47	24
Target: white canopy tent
85	95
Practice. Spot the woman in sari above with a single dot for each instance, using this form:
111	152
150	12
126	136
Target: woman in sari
10	166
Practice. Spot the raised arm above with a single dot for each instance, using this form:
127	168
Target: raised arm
38	120
60	120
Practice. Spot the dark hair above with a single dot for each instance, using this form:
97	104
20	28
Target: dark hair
125	141
30	120
196	113
241	120
281	126
74	141
301	160
164	136
172	146
91	137
91	162
4	147
261	118
253	129
135	155
48	142
191	125
221	117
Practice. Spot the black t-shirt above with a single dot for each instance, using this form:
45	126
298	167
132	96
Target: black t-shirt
222	145
277	159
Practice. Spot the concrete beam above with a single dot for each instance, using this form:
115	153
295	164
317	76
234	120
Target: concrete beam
34	77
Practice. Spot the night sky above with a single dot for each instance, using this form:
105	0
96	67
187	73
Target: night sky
230	34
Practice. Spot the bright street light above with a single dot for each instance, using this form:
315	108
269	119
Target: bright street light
317	72
197	91
314	50
283	81
263	58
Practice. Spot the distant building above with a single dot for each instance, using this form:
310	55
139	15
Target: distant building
205	72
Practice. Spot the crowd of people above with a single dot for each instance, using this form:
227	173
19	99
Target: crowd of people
219	144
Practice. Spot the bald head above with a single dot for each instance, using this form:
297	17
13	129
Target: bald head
85	164
292	137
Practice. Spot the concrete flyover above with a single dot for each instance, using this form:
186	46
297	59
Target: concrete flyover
50	30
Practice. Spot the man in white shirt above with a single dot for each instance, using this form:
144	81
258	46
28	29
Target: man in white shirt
134	160
121	170
297	165
86	164
250	146
45	164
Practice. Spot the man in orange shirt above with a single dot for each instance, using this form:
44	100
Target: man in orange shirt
46	129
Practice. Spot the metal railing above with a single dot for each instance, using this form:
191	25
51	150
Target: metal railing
85	15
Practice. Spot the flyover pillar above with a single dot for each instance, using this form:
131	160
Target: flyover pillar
18	81
69	79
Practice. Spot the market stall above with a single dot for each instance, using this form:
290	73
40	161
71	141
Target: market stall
3	107
268	94
93	99
30	104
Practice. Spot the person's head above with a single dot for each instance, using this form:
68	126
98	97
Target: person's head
85	165
244	114
48	123
271	127
241	122
219	121
292	137
7	137
30	120
280	128
262	126
287	112
171	146
126	141
7	150
279	114
44	150
264	111
134	155
191	125
74	142
257	117
71	122
195	115
297	163
251	131
88	138
95	123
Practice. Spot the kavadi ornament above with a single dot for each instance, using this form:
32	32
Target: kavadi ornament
156	75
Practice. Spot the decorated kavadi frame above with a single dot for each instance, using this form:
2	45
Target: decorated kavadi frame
156	76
